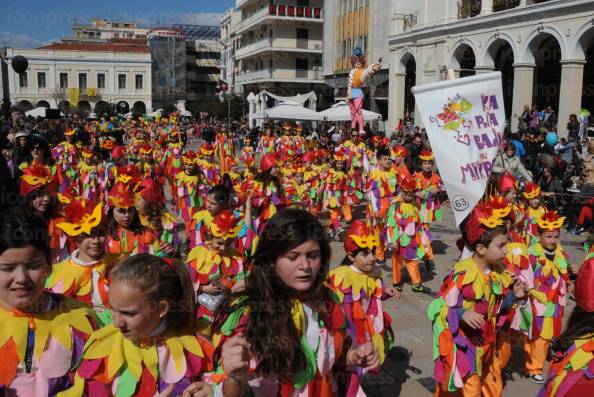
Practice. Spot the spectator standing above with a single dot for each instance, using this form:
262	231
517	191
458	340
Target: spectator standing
551	188
509	162
573	127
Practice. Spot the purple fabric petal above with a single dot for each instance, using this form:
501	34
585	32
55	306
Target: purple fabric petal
453	321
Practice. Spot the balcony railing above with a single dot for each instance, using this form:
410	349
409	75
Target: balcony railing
302	43
280	44
284	11
468	8
472	8
258	45
277	74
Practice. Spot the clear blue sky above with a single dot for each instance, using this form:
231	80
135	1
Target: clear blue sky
29	23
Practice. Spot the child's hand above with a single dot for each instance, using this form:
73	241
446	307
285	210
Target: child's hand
235	358
393	292
166	248
198	389
365	356
574	268
211	289
473	319
238	286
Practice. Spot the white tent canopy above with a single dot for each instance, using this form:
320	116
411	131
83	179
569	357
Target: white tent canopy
258	109
37	112
289	111
155	113
340	112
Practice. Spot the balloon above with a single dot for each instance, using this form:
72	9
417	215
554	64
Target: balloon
551	139
20	64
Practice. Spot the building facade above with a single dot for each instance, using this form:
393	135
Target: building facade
229	44
543	48
169	69
103	29
203	55
357	23
83	75
280	46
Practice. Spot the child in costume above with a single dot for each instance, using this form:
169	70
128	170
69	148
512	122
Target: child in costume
148	164
381	189
335	193
266	143
507	187
190	188
41	333
572	366
109	168
549	297
155	217
84	276
355	152
266	190
248	154
216	267
465	314
399	154
207	164
358	76
534	211
223	149
172	159
125	234
430	186
407	236
66	155
361	290
37	187
312	177
216	200
285	334
88	172
296	188
151	347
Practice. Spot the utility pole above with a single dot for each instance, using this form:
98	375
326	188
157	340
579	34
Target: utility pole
228	112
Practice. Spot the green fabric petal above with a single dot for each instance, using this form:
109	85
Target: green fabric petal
104	318
231	322
404	240
304	376
434	308
126	384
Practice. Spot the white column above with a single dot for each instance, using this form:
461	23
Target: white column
570	97
486	7
523	86
396	100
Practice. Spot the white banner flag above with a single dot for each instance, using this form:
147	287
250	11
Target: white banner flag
464	119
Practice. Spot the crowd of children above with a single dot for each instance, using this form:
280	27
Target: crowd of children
157	270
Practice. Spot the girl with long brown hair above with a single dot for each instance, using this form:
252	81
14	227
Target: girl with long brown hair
286	333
